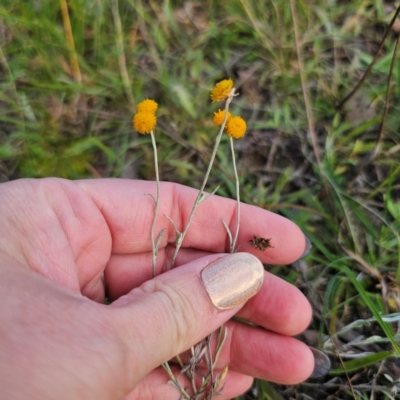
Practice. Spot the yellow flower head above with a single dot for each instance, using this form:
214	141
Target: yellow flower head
218	118
221	90
147	105
144	122
236	127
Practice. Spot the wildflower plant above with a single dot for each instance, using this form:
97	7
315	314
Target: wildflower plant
222	90
144	121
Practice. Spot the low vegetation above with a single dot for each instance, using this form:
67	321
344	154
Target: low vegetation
326	160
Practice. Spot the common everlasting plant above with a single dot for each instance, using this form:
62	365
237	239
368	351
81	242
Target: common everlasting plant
202	386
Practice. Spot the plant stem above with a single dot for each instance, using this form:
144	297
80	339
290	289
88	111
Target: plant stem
76	72
233	244
372	63
175	381
304	86
121	53
198	200
154	250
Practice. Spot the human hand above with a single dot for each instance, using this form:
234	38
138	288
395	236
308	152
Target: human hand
59	344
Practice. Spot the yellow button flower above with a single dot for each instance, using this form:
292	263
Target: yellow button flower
147	105
218	118
144	122
236	127
221	90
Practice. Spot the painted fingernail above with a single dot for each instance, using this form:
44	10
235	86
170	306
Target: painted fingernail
307	248
322	363
232	280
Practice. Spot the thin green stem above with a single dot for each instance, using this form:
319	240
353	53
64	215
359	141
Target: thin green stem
388	92
119	39
6	66
198	200
304	85
156	201
233	244
371	155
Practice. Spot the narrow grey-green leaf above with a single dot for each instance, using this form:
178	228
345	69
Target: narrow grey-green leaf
362	362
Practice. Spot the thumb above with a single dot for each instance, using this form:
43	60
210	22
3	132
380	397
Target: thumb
172	312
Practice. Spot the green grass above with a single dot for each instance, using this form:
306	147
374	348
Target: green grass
348	203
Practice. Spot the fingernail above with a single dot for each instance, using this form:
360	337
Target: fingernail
232	280
322	363
307	248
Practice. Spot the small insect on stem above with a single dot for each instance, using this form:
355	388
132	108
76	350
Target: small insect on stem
260	243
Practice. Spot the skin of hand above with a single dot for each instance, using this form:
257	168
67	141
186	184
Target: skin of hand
63	242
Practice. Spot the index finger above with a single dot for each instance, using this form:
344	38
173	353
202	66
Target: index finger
128	213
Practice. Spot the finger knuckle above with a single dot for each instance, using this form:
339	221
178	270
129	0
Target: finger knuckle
175	309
